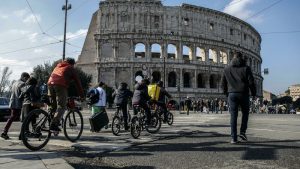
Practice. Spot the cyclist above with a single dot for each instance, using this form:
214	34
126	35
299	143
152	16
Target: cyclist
122	94
58	84
140	97
161	100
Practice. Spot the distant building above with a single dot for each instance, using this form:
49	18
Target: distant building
295	91
268	95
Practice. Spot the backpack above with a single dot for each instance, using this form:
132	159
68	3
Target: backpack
93	97
154	91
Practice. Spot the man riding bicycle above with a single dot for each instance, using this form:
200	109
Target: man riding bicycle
162	100
58	84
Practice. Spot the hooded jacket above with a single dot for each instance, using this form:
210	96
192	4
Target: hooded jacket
62	74
122	94
238	78
140	94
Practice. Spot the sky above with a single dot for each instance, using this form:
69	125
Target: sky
23	44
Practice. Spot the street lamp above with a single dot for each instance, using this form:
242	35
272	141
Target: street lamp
65	8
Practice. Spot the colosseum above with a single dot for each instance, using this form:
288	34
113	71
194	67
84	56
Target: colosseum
185	46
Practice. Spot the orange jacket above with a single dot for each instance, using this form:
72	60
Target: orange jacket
62	74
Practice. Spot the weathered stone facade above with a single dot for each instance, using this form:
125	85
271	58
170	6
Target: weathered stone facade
133	37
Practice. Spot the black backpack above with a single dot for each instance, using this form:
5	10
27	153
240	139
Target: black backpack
92	97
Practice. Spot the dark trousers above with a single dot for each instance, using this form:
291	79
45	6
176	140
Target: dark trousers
235	100
164	108
123	107
147	110
15	113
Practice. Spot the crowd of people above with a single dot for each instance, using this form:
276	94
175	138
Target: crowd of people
204	105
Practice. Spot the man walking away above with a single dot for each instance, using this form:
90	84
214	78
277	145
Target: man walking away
122	94
15	104
188	104
237	80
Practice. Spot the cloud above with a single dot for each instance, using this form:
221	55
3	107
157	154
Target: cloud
2	16
70	35
33	37
12	62
31	19
18	32
20	13
240	8
38	50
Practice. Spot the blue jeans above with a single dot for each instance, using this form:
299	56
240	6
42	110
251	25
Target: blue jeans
235	100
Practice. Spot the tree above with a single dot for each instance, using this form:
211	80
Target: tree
4	81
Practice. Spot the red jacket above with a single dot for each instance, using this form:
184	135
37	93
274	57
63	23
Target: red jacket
62	74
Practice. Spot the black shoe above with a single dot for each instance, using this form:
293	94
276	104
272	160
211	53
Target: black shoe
4	136
243	137
126	128
54	128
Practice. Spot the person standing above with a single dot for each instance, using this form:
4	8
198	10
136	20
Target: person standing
188	104
15	103
58	84
236	81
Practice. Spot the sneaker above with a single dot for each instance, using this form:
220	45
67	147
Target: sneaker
243	137
234	141
4	136
54	128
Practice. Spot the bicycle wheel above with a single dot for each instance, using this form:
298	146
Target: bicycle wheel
73	125
35	132
135	127
170	118
116	125
155	124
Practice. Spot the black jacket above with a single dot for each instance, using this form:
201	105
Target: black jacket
30	94
140	94
162	95
238	78
122	94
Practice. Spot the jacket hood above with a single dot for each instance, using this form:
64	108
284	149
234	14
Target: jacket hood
138	86
237	62
63	64
122	86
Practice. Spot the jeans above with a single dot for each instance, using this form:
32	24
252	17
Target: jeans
235	100
123	107
58	95
15	113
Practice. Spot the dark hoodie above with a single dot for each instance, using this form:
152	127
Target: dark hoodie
122	94
140	94
238	78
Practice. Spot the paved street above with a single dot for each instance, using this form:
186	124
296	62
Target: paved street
194	141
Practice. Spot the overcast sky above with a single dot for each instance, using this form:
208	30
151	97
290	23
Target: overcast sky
278	22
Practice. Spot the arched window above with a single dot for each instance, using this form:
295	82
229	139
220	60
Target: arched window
172	51
200	54
155	51
172	79
186	53
186	80
212	55
213	81
139	50
156	77
223	57
200	81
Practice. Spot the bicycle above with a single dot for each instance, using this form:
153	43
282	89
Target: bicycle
118	121
138	122
35	131
160	112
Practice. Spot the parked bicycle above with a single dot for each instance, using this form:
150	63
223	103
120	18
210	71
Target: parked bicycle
118	121
36	135
138	122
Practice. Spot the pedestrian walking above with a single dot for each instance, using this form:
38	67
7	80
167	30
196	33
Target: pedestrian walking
236	81
188	104
15	103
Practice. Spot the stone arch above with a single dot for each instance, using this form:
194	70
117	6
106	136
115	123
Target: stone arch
156	50
156	76
140	50
186	53
213	81
124	50
200	54
187	80
172	79
172	51
212	55
200	81
106	50
138	73
223	57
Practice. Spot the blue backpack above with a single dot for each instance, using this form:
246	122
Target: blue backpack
92	96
